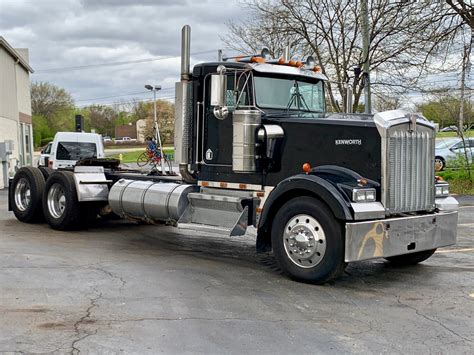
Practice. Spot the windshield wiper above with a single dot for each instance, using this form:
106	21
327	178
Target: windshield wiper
297	97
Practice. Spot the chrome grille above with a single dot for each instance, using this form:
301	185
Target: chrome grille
410	169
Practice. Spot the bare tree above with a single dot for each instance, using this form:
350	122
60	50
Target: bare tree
464	9
407	39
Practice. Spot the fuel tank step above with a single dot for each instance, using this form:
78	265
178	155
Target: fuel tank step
217	211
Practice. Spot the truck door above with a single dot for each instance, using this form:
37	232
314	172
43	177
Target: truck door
218	133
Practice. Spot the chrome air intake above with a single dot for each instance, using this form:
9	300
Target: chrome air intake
245	125
407	161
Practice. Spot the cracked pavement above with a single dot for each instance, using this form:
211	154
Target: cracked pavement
122	287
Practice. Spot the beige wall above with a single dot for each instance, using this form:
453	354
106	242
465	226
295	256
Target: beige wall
23	90
8	90
14	99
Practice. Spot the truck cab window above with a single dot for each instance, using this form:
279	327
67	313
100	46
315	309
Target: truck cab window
76	151
232	92
277	93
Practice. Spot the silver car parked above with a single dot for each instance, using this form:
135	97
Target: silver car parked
450	149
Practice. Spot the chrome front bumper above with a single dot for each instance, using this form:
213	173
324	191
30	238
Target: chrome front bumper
396	236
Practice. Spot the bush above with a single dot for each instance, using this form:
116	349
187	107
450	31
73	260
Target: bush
45	141
461	180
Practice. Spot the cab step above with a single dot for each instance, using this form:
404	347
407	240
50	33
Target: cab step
219	211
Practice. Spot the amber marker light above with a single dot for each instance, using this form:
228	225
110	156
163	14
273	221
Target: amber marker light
257	60
306	168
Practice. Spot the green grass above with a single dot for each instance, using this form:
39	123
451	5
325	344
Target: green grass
131	157
459	181
469	133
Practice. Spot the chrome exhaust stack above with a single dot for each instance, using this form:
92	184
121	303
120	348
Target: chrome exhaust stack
183	110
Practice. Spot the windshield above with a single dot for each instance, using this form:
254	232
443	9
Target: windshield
76	151
445	143
289	94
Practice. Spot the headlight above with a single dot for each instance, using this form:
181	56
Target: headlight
363	195
442	190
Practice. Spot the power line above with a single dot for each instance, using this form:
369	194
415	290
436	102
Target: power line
111	97
130	101
109	64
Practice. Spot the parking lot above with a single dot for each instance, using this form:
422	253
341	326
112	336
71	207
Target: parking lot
123	287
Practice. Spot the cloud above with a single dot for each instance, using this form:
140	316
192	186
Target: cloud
70	33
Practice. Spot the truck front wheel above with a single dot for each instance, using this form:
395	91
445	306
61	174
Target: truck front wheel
307	241
60	204
25	194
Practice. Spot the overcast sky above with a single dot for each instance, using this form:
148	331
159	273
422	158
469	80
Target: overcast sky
71	33
68	33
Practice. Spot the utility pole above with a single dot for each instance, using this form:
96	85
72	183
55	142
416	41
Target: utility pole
364	16
466	64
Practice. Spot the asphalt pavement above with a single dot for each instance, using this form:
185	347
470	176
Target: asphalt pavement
121	287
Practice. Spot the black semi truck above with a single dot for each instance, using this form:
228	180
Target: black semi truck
256	147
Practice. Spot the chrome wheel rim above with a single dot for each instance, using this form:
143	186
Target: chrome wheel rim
22	194
56	201
305	241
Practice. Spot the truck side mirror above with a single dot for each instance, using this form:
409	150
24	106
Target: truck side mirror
218	93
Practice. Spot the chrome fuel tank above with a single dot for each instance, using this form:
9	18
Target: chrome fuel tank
148	200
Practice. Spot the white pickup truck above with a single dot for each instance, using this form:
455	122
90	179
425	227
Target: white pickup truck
69	147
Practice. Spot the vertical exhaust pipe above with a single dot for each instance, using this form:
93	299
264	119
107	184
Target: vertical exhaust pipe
185	52
349	99
286	55
183	109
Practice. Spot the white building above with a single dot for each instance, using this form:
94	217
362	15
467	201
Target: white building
16	129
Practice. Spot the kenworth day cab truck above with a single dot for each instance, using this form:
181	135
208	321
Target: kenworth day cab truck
256	147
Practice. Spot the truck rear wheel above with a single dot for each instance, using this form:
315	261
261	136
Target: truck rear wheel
60	204
411	259
25	194
307	241
46	172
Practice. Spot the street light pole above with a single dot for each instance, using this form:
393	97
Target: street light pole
155	124
364	14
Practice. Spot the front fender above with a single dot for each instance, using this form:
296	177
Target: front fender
295	186
309	185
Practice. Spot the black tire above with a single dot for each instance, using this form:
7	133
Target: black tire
28	211
410	259
61	183
46	172
329	264
440	163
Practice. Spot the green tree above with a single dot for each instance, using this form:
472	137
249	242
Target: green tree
165	118
52	110
41	130
444	109
101	118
